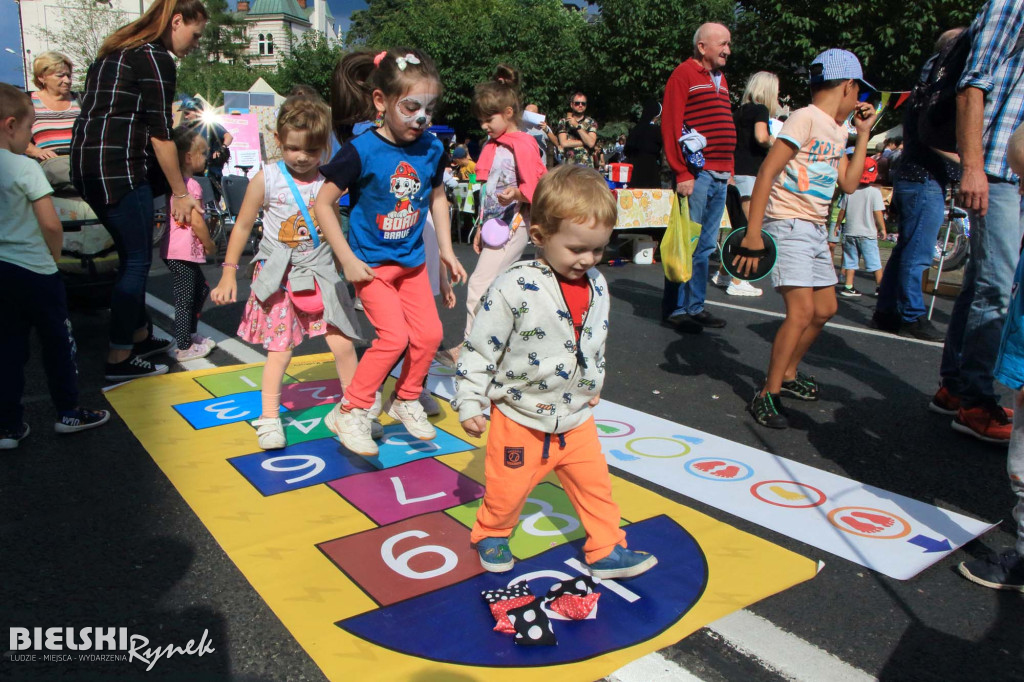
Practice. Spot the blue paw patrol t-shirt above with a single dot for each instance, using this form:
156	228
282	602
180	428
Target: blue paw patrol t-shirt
389	188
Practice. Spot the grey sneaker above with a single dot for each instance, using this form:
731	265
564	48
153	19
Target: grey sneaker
413	417
429	404
353	429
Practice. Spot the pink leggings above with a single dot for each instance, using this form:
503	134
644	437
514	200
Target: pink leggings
401	309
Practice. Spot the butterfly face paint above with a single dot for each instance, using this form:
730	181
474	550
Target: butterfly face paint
416	109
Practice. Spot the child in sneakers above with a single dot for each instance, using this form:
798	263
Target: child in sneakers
296	290
865	224
1005	571
184	248
790	201
535	355
30	242
510	166
393	173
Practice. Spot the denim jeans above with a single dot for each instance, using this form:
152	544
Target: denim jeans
1015	467
38	301
976	326
130	223
922	207
707	203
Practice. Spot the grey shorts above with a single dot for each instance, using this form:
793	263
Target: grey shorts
805	259
745	185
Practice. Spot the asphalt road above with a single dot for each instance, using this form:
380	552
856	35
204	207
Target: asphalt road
93	534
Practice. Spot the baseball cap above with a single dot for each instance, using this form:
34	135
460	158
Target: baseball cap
836	64
870	173
459	153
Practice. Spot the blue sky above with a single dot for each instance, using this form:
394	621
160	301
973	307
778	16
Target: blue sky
10	64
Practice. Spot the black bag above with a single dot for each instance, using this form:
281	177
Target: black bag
932	104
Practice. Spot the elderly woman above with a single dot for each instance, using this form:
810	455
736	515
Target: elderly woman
56	107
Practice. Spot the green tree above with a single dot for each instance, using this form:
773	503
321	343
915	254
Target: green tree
468	38
311	62
892	38
84	25
210	79
224	37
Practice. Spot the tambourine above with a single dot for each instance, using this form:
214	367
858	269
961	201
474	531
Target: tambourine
766	257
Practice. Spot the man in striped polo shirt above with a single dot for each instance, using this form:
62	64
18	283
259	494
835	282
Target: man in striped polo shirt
698	96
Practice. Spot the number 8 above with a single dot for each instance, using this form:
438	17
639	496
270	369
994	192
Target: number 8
546	510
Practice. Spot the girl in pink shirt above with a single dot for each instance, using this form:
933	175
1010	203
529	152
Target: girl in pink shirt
184	248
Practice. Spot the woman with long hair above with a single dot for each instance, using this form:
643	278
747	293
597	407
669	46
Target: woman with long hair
122	155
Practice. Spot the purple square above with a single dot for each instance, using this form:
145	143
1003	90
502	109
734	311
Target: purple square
408	490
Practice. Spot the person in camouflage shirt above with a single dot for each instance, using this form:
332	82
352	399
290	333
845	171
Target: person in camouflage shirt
577	133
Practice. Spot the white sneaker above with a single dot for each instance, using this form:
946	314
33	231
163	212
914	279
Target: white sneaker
270	433
413	417
354	430
204	340
375	409
193	352
429	404
742	289
721	279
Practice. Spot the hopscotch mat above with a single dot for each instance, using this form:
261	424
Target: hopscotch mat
367	561
884	531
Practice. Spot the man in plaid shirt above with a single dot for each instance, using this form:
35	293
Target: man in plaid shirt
990	106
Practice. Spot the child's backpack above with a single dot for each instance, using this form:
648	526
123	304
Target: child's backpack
931	109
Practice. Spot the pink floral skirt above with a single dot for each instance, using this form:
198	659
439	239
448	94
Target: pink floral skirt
276	324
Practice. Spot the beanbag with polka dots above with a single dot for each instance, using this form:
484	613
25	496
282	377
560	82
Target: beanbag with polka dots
532	625
501	601
573	599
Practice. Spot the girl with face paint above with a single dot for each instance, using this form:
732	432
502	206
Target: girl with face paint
393	174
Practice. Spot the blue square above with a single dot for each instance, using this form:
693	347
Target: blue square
299	466
237	407
398	447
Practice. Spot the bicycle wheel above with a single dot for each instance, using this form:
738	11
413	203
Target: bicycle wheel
957	246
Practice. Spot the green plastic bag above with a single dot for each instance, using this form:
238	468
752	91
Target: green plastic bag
680	242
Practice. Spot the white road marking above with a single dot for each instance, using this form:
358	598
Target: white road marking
830	325
746	632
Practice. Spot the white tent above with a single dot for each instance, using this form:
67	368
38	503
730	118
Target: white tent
261	86
875	143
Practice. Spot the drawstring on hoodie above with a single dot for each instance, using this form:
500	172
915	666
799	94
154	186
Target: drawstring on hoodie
547	443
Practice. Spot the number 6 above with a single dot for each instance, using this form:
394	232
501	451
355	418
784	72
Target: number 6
400	564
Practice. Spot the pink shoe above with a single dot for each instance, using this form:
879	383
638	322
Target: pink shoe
193	352
201	340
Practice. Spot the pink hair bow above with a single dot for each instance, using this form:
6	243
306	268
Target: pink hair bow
380	57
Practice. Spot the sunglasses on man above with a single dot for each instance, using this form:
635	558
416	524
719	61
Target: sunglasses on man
579	104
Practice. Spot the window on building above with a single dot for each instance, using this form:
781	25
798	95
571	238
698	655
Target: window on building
270	43
263	44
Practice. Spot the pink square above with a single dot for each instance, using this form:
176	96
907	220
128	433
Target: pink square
310	394
401	492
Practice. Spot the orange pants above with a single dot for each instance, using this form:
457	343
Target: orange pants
515	464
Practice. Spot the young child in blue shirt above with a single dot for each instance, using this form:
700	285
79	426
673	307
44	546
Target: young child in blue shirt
30	241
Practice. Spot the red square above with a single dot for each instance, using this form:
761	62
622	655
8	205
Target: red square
406	559
310	394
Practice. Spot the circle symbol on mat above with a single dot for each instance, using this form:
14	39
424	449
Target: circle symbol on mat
719	469
788	494
867	522
439	370
611	428
683	448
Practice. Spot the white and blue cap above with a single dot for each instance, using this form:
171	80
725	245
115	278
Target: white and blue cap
836	64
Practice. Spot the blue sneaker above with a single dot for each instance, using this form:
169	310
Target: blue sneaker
495	556
10	438
1002	572
622	563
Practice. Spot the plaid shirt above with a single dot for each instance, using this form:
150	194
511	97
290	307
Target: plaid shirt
996	66
127	100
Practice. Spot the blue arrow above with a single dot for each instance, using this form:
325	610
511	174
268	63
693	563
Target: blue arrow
619	454
930	544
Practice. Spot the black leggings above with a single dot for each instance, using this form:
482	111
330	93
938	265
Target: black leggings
190	292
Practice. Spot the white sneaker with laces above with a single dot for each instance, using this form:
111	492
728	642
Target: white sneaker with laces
270	433
413	417
193	352
354	429
742	289
429	404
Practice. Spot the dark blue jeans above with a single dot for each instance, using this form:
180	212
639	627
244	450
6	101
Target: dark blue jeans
922	207
38	301
707	203
130	223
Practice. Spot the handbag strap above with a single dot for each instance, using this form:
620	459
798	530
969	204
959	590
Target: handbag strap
300	201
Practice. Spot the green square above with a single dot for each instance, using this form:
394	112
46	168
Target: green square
307	425
240	381
547	520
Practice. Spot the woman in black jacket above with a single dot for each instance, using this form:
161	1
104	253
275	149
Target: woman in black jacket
643	148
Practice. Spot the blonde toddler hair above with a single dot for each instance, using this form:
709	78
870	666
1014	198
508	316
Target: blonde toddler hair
575	193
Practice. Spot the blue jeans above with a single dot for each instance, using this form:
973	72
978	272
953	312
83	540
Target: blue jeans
976	327
35	301
130	223
707	203
922	207
1015	467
